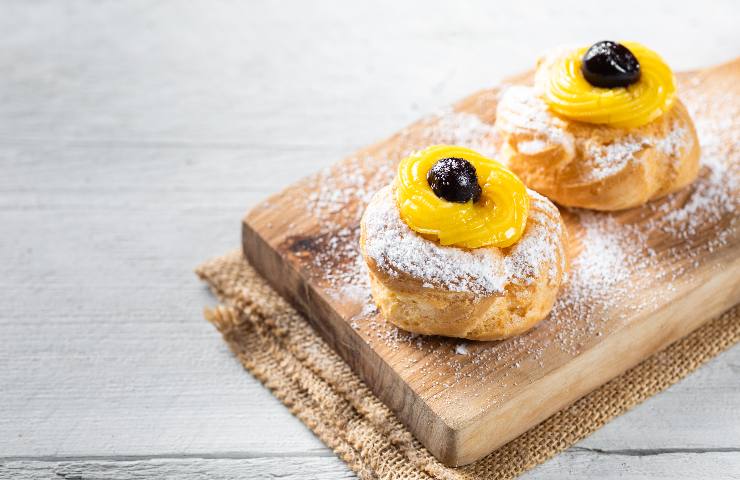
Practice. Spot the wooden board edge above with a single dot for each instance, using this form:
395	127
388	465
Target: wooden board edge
588	371
410	409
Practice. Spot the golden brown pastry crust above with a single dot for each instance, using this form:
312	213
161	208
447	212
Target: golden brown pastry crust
595	166
516	289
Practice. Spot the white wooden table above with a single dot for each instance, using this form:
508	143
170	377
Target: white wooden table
134	135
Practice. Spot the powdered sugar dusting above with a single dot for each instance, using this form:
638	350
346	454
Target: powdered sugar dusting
615	157
673	143
453	128
337	200
539	246
520	110
523	111
396	249
532	147
713	197
612	159
461	349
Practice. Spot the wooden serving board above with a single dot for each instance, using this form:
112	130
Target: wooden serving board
639	280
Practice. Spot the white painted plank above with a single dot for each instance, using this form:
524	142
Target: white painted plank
292	468
42	170
176	390
306	73
574	464
675	465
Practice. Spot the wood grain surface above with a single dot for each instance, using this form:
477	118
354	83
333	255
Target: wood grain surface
133	137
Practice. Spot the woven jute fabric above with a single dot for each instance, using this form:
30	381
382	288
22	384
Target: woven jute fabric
277	345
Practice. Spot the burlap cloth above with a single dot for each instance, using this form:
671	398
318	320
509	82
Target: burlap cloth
278	347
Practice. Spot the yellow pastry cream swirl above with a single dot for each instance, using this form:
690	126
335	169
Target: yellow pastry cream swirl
497	218
570	95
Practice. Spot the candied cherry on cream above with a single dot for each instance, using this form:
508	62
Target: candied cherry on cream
454	180
608	64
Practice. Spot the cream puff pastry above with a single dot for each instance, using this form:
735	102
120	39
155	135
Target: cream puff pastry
612	144
481	260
